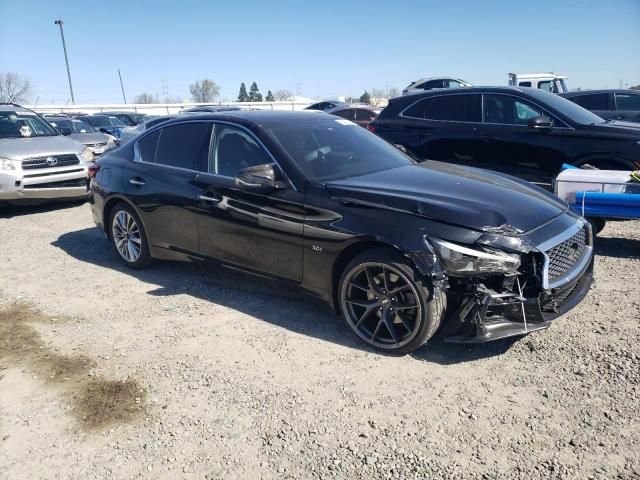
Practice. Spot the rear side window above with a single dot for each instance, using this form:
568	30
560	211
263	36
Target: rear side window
451	108
594	101
185	146
348	114
525	84
362	114
146	147
627	101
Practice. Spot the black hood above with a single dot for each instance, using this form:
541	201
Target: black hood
631	129
463	196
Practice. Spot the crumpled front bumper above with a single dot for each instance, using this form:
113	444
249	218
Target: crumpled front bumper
495	316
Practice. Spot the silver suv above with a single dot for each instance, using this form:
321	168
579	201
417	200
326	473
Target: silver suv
434	83
36	162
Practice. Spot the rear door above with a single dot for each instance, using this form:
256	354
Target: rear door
160	182
444	127
255	231
627	106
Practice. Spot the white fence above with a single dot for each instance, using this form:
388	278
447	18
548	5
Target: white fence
162	108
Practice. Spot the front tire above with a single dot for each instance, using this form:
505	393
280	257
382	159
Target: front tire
386	303
128	237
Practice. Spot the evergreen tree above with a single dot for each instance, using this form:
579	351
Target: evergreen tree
365	98
242	96
269	97
254	93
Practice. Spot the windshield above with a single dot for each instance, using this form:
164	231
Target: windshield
78	126
335	148
571	110
23	125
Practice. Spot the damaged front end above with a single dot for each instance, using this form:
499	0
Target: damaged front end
504	286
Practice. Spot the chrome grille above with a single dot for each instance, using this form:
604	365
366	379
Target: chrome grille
50	161
564	256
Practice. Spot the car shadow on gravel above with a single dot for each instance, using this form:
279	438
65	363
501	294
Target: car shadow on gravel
265	299
10	211
617	247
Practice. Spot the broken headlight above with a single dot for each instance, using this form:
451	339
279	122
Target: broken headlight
459	260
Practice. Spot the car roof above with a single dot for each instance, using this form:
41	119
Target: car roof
426	79
602	90
261	118
350	107
121	112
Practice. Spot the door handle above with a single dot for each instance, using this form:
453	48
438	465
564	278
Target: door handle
207	198
619	117
137	181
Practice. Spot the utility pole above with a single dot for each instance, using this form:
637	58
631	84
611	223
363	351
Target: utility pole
122	87
64	47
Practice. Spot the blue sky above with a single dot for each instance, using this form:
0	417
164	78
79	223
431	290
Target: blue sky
325	48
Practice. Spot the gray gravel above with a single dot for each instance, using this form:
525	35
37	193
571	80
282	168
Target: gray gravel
240	379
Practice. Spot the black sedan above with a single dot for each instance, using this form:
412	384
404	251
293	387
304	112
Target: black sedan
521	131
609	104
317	202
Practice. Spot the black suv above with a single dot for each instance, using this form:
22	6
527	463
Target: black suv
525	132
609	104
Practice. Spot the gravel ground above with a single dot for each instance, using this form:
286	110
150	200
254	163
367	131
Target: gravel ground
183	371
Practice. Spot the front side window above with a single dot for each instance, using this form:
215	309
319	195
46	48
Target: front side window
507	110
627	101
452	84
329	149
185	145
23	125
234	149
593	101
546	85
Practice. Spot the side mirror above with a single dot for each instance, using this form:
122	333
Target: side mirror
65	131
260	178
103	130
541	123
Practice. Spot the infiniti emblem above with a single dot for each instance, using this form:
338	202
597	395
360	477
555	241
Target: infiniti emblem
52	161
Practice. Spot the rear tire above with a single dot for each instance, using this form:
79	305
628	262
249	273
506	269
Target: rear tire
387	304
128	237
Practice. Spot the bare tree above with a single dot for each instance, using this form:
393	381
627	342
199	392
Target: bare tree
204	91
145	98
393	92
14	88
282	95
378	96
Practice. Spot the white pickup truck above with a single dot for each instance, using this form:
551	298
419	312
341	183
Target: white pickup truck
549	81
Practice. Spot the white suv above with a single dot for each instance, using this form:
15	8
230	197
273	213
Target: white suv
433	83
37	163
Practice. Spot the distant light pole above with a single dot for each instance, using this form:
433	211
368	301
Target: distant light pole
122	87
64	47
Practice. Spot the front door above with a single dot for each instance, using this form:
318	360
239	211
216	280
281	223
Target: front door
262	232
511	147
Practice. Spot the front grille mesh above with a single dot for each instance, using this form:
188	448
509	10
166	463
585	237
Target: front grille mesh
41	162
564	256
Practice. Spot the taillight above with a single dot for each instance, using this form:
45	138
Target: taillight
93	168
371	128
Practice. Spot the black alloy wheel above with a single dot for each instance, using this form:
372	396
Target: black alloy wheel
384	304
